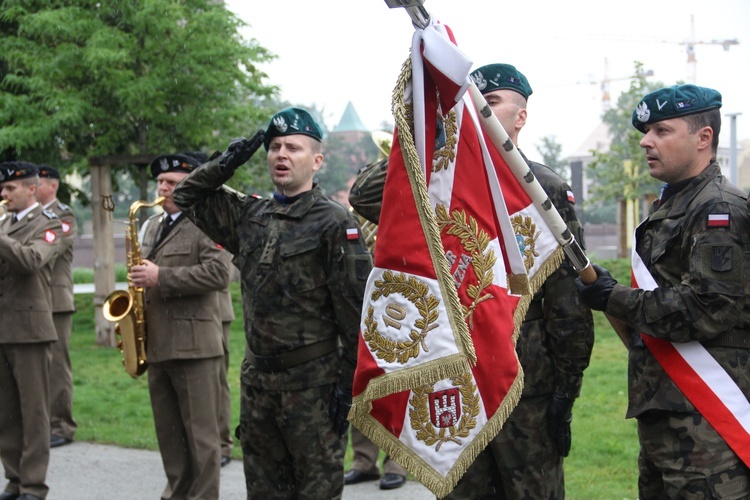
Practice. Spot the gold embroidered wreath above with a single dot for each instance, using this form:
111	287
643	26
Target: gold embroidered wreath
443	157
475	242
418	294
525	227
419	413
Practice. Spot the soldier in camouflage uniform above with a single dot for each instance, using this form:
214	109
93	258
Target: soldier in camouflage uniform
303	266
695	244
525	460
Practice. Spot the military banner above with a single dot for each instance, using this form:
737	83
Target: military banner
700	378
460	250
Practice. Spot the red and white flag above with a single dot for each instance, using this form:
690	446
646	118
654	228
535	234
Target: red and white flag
700	377
461	249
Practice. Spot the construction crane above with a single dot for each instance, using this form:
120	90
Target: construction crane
690	49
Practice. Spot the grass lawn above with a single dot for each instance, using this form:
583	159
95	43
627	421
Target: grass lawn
111	407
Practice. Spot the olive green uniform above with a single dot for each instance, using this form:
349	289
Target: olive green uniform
303	277
703	279
61	419
185	354
27	252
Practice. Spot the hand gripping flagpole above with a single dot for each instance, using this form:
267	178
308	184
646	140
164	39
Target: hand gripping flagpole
499	137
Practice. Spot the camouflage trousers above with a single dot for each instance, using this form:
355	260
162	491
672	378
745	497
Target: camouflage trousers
289	448
683	457
522	461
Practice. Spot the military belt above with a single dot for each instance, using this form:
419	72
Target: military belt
535	311
738	339
293	358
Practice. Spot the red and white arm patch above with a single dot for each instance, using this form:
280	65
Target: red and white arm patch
65	227
352	233
571	197
50	236
718	220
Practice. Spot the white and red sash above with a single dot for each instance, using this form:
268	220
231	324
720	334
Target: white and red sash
700	378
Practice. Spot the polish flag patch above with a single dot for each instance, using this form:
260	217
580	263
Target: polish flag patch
571	197
50	236
65	227
718	220
352	233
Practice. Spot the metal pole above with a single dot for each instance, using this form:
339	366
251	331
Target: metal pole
734	177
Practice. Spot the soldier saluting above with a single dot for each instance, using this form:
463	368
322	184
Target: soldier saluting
29	243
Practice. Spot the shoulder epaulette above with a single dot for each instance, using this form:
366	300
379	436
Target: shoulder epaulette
49	214
64	207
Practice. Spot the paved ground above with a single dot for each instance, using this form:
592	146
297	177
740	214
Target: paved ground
97	472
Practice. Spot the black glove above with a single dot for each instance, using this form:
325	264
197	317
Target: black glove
239	151
596	295
341	402
559	415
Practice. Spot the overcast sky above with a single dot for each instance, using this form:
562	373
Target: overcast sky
331	52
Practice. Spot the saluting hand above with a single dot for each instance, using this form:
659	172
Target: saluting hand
240	150
145	275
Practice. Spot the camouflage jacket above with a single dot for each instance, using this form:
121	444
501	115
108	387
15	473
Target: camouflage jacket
302	273
557	336
703	278
555	343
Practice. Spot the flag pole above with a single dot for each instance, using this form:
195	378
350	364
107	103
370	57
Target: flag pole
499	137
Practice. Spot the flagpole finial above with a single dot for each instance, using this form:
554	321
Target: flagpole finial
420	18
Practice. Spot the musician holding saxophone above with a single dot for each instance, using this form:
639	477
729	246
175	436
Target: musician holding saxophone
29	243
183	274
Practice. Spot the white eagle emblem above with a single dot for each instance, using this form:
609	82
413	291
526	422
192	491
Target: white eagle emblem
642	112
280	124
164	164
479	80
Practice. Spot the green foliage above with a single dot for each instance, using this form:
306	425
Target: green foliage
81	79
612	180
551	150
344	156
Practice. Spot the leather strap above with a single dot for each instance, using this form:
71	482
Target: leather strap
293	358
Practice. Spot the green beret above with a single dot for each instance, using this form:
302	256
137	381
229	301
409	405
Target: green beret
292	121
48	172
173	163
673	102
14	170
501	76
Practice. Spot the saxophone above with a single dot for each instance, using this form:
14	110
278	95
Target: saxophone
125	308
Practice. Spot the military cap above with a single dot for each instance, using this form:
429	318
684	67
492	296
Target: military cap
14	170
177	162
292	121
501	76
673	102
48	172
